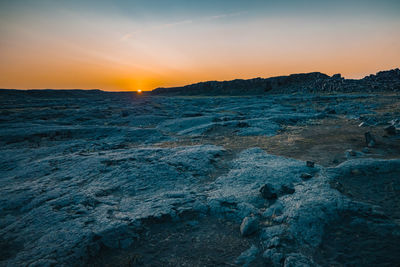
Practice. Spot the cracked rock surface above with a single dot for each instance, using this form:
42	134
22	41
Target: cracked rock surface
106	179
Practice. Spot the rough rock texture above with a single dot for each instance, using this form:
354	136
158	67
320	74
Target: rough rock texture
95	178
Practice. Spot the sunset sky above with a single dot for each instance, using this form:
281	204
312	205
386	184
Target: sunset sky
130	45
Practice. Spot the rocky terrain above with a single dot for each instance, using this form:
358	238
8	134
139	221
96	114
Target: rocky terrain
315	82
90	178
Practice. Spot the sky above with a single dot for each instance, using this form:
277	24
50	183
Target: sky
126	45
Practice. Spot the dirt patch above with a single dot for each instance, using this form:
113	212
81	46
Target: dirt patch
380	189
353	241
322	141
205	241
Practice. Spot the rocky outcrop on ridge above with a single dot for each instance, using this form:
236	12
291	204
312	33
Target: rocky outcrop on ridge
294	83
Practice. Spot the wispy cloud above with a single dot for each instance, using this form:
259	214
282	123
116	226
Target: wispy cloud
227	15
179	23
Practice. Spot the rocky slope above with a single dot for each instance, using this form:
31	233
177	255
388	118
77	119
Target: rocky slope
295	83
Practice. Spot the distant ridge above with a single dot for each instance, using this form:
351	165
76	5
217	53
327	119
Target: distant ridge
302	83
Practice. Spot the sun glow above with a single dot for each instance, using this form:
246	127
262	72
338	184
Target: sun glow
139	91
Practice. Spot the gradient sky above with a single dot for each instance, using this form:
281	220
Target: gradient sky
139	44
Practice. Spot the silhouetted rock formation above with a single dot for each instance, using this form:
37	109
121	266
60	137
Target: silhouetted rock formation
302	83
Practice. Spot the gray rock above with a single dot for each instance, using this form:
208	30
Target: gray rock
286	189
369	139
249	226
306	176
271	243
268	192
350	153
247	257
366	150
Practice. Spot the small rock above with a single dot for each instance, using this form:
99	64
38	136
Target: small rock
249	226
306	176
369	139
390	130
350	153
310	164
268	192
366	150
286	190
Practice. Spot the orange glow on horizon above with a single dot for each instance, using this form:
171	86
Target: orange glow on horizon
124	55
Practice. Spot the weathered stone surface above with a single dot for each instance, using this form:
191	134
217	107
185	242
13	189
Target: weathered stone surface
98	173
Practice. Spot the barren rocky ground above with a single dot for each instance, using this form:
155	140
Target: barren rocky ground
119	179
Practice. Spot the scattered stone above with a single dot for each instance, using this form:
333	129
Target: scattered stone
249	226
268	192
247	257
390	130
306	176
366	150
369	139
286	190
273	256
350	153
310	164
